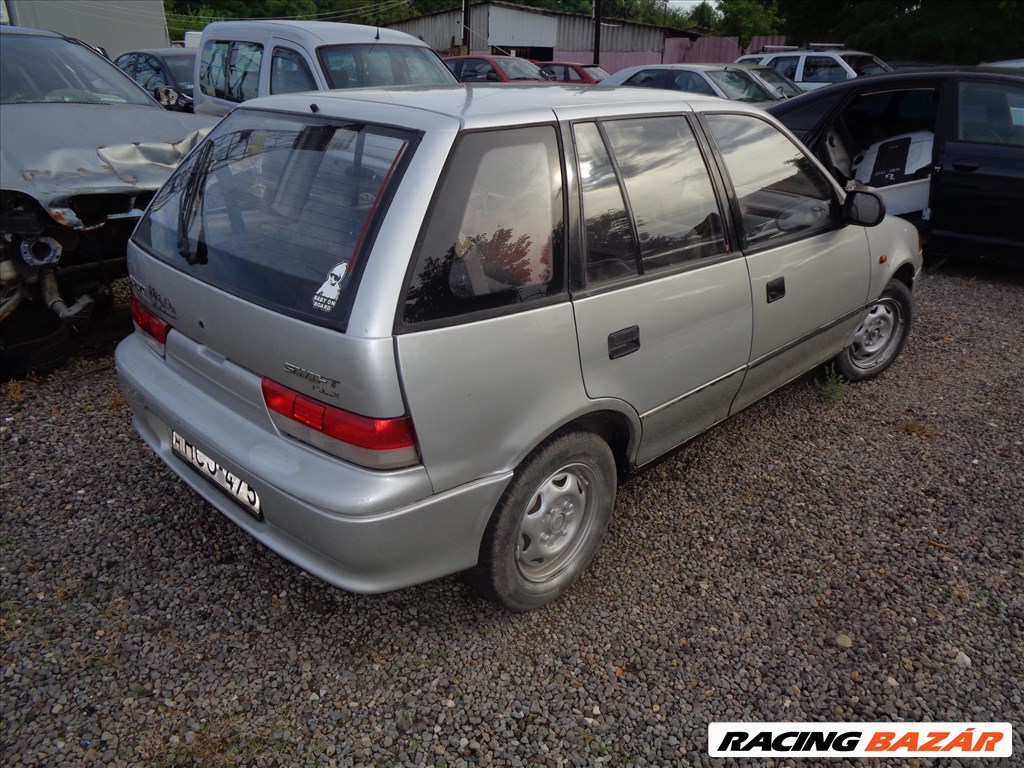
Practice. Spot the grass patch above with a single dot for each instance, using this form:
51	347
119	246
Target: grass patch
917	428
833	388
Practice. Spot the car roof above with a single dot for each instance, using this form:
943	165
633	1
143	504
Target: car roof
486	56
899	78
171	51
483	104
314	32
7	30
814	50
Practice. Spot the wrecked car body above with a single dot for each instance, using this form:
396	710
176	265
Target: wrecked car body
82	152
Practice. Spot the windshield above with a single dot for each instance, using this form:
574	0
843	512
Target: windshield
740	86
778	83
37	69
373	64
519	69
277	210
865	64
182	69
596	72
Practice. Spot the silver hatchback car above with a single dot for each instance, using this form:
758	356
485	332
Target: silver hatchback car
397	334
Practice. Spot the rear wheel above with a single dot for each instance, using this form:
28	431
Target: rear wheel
880	336
549	522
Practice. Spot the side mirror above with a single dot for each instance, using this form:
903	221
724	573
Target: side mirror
166	95
866	209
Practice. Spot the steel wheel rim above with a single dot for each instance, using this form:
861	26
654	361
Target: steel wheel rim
878	335
557	522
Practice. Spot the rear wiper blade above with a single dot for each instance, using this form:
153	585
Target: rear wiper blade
193	193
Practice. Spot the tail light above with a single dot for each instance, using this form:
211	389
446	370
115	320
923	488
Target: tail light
372	443
153	329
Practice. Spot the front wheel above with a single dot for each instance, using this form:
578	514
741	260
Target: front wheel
880	336
549	522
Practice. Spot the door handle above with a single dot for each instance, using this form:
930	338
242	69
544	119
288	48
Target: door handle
961	166
624	342
776	289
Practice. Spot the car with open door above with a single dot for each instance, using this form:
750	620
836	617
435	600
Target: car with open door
943	146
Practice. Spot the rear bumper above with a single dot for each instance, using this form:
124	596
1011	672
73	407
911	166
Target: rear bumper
359	530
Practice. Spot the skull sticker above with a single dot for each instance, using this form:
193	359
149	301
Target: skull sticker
327	296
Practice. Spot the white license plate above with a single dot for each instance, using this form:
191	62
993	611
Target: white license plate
239	489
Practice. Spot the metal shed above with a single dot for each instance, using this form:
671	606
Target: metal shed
503	28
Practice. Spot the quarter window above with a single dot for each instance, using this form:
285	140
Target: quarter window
781	194
493	238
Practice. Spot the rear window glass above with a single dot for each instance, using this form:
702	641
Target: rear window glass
277	210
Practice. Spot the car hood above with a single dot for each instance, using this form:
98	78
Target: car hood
52	151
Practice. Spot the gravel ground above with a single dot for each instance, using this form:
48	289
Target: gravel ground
854	560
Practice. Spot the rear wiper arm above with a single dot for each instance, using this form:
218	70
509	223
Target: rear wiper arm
193	193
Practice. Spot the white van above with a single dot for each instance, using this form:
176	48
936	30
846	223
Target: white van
240	60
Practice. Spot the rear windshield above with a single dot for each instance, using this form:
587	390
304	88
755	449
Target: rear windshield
278	209
739	86
374	64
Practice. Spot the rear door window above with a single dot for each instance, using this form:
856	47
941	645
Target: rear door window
823	69
991	113
493	239
279	210
648	200
230	70
785	65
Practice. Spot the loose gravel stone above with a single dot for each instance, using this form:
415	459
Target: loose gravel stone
141	628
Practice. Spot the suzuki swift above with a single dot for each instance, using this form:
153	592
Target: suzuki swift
397	334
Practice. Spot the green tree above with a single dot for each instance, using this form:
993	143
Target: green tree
704	15
745	18
947	31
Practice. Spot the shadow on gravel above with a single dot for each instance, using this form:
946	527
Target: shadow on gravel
970	269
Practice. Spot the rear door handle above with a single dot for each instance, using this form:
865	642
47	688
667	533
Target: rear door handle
624	342
961	166
776	289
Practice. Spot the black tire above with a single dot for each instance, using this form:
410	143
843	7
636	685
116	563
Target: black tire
880	336
549	522
33	340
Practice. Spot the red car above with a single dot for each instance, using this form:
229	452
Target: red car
570	72
494	69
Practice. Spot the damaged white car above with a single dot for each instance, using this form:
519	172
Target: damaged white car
82	151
